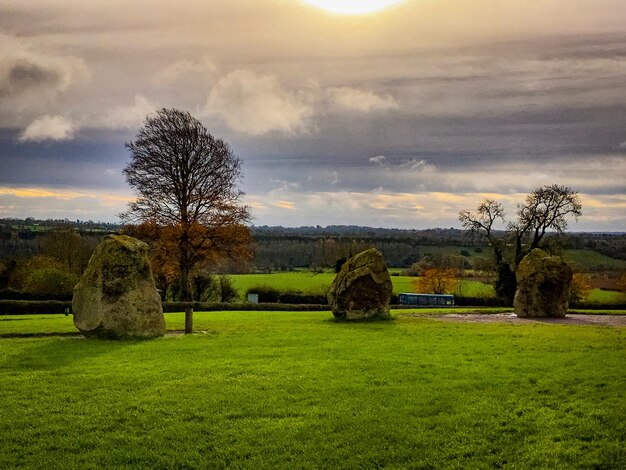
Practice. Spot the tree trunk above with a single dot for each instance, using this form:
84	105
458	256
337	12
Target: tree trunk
188	320
185	280
187	296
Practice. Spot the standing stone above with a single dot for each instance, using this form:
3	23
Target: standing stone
117	297
362	288
543	286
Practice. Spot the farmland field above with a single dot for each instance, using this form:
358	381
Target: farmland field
307	281
270	389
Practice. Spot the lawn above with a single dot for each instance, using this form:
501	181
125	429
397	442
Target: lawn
298	390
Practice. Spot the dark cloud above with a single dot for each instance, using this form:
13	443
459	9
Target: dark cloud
23	76
26	75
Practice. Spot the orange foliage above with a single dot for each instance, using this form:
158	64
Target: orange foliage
580	288
437	281
207	246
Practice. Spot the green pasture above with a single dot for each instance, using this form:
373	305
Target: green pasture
607	297
307	281
298	390
590	260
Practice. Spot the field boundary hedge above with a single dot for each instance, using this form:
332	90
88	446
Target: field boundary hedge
170	307
14	294
34	307
49	307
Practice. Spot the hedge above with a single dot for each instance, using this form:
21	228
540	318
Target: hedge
45	307
463	301
13	294
169	307
33	307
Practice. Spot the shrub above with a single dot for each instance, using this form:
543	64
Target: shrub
33	307
170	307
302	298
228	291
14	294
580	288
50	281
463	301
437	281
266	294
24	268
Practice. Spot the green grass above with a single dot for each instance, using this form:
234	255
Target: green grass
297	390
306	281
599	296
589	260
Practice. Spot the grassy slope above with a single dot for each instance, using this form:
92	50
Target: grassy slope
589	260
297	390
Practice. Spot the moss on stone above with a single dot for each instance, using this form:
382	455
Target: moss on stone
362	289
117	297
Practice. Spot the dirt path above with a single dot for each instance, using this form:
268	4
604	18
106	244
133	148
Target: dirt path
571	319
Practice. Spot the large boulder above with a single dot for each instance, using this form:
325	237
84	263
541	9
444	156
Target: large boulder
543	286
117	297
362	288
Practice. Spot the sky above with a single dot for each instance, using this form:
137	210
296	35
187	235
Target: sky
395	118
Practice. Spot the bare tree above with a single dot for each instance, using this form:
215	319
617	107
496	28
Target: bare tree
544	209
482	221
187	182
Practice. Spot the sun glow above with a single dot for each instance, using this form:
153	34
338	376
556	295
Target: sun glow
353	7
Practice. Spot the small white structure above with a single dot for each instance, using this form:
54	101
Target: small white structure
253	298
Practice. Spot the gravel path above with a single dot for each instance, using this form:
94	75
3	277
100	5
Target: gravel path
571	319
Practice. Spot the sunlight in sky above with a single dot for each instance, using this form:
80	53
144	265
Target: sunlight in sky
353	7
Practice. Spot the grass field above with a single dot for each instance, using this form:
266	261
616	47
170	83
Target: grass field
606	297
298	390
589	260
306	281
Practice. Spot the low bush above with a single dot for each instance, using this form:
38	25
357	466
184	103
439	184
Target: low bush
33	307
597	306
267	294
465	301
171	307
302	298
14	294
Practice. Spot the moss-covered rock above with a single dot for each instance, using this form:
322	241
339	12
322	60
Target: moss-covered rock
362	289
543	286
117	297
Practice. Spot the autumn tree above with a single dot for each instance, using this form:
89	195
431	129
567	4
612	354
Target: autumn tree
70	248
580	288
546	209
186	183
437	281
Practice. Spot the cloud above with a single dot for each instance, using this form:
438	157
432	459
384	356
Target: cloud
30	79
414	165
363	101
257	104
201	69
61	203
48	128
378	160
125	117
